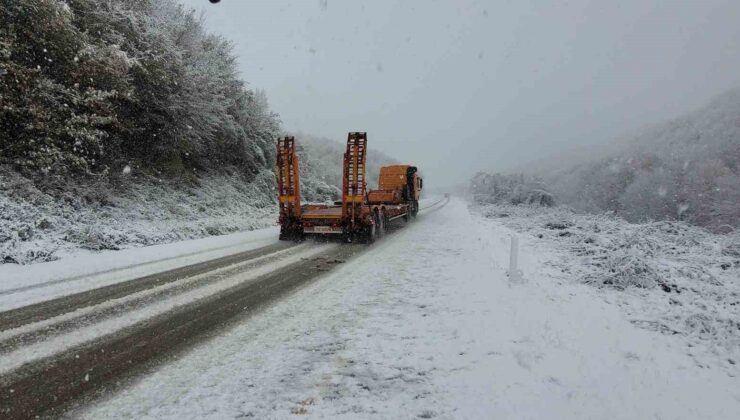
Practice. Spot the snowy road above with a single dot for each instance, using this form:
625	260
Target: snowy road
63	337
423	324
55	360
426	325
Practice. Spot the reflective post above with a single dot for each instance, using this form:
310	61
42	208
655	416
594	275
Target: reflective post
514	273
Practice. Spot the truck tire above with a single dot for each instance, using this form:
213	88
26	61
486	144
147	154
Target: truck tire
380	224
285	234
370	234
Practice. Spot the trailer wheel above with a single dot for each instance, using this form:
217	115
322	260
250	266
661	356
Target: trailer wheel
283	236
291	234
370	234
380	224
286	234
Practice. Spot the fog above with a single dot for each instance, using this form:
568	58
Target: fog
461	86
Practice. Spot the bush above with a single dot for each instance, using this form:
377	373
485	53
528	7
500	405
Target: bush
510	189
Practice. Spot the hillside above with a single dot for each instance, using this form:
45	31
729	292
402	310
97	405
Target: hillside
686	169
127	124
134	208
90	88
124	123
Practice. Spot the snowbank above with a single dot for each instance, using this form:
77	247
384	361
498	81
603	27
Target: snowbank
28	284
36	226
686	280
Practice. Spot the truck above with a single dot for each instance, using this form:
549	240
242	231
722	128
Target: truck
361	215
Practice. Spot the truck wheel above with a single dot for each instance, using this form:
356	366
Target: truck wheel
371	234
285	234
380	224
414	208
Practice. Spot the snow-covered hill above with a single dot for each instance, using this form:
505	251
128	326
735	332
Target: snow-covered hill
124	123
686	169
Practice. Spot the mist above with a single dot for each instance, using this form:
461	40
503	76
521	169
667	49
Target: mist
461	86
565	246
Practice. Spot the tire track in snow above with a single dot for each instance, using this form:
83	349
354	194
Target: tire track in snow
48	386
48	309
35	332
117	269
49	377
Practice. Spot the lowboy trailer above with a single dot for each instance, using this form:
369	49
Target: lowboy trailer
360	215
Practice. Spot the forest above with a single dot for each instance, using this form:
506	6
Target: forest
94	87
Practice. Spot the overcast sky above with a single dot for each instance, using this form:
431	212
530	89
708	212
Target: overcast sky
457	86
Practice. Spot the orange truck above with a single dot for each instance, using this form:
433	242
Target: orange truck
361	215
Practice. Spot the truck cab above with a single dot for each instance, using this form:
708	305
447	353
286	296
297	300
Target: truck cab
397	184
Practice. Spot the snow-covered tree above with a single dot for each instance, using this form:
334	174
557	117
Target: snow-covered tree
89	84
58	111
513	189
685	169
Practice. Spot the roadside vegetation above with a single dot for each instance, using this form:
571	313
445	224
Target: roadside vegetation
669	276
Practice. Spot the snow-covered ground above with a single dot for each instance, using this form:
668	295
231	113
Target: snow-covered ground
669	277
36	226
426	324
178	293
24	285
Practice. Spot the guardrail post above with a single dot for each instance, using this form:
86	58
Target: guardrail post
514	273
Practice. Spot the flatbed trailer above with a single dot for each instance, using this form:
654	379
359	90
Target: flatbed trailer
355	217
